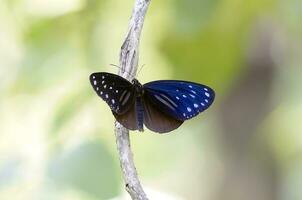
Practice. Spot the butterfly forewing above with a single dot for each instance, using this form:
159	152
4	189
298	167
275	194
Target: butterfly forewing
116	91
179	99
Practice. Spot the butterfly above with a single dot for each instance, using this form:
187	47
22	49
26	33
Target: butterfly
161	106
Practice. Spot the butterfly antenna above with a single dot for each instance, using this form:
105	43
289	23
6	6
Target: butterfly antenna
121	69
140	69
114	65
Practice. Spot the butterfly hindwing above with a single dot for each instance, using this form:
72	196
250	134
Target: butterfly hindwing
179	99
129	118
156	120
116	91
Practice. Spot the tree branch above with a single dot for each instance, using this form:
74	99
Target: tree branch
128	64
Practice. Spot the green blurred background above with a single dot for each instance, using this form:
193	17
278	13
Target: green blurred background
57	136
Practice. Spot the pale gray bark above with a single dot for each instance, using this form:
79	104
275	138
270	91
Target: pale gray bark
128	64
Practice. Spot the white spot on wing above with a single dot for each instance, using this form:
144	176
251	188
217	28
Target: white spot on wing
202	104
97	88
107	96
103	82
189	109
93	77
207	94
184	114
206	89
113	101
184	96
103	77
177	97
116	91
101	92
105	86
193	91
94	82
190	86
207	101
195	105
110	88
192	95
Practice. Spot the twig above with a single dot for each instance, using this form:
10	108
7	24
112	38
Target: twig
128	64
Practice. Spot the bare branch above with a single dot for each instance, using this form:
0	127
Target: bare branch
128	63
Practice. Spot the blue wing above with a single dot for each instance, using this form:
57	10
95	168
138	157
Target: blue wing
180	99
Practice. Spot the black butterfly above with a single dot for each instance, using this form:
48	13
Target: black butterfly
161	105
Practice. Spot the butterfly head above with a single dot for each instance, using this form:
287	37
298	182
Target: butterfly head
138	87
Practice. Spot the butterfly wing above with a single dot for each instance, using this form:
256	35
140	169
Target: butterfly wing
129	118
156	120
181	100
116	91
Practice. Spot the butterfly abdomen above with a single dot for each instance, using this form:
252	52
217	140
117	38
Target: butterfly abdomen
140	113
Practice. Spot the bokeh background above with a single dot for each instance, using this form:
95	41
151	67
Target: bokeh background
57	136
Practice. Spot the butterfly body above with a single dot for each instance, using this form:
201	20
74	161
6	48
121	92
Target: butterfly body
161	106
139	92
